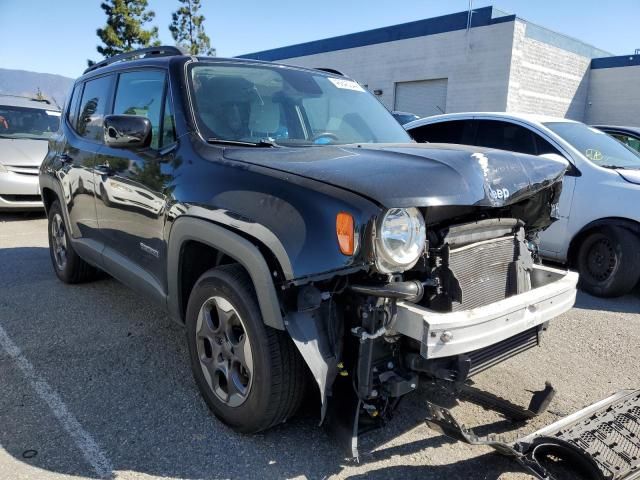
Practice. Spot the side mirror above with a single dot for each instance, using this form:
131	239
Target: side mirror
572	170
127	131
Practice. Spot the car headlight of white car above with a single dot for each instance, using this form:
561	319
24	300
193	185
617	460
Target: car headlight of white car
400	240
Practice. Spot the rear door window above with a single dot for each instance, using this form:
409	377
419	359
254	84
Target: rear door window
505	136
93	107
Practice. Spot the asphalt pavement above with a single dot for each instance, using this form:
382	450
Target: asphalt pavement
95	383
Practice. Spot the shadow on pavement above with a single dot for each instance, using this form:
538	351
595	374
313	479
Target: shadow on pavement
627	304
121	368
21	216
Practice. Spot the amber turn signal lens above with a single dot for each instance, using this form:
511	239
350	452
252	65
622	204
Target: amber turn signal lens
345	233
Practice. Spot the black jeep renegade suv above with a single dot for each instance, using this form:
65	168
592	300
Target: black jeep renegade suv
288	221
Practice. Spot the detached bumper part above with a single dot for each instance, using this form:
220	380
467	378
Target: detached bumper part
448	334
599	442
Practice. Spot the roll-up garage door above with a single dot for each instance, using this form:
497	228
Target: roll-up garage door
424	97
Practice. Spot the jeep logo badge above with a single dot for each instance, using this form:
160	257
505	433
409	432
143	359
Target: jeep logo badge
499	194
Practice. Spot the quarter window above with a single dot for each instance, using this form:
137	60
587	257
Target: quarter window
72	112
93	107
168	124
543	147
141	93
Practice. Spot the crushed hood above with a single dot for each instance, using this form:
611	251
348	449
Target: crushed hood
415	175
23	152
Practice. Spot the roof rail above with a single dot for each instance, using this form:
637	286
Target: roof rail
330	70
160	51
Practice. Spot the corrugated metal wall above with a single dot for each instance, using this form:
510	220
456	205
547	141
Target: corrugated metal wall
425	97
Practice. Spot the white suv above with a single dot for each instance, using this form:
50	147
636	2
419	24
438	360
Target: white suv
598	229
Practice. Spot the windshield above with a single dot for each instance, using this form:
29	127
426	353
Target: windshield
19	122
597	146
247	103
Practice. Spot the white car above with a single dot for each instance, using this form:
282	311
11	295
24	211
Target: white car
598	226
26	124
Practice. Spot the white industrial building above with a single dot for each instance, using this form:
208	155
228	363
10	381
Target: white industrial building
486	60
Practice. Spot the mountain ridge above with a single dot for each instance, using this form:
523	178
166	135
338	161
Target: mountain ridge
24	82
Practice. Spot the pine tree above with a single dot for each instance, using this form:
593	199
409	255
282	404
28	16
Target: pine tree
187	29
125	30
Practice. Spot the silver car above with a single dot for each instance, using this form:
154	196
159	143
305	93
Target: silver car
25	127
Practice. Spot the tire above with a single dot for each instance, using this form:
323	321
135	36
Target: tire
609	262
69	267
268	387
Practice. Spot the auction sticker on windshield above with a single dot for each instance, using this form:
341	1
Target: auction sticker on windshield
52	113
346	84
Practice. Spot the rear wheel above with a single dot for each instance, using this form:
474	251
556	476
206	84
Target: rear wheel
609	261
250	375
69	267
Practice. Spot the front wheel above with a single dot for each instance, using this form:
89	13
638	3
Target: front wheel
609	262
250	375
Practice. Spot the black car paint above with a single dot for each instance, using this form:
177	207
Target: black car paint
283	199
271	209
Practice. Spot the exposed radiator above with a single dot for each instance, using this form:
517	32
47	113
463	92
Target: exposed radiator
485	271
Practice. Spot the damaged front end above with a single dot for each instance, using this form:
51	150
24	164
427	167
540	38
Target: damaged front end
450	291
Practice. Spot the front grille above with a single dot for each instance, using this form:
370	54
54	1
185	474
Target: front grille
484	271
492	355
610	437
23	170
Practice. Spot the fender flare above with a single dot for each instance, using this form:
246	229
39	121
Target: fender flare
231	244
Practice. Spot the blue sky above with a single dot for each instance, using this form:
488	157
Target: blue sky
59	36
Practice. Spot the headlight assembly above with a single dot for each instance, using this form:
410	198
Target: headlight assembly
400	240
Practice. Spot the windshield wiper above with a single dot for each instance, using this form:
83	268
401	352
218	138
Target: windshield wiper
261	144
613	167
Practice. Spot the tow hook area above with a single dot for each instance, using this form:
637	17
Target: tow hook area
599	442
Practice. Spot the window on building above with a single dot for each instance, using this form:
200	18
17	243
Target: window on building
141	93
505	136
93	107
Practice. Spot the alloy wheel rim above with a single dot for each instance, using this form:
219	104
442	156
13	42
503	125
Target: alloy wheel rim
59	241
224	351
601	260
